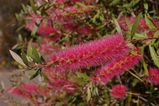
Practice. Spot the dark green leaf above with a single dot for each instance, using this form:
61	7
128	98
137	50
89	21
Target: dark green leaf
135	25
114	2
149	23
23	55
37	72
154	56
36	26
117	26
32	3
35	55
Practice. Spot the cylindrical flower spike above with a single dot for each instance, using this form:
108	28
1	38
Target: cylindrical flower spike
90	54
115	68
62	85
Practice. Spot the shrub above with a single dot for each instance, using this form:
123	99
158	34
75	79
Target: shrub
80	56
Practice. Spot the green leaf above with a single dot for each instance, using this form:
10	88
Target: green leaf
106	95
17	58
146	6
81	78
117	26
154	56
29	48
114	2
149	23
36	26
37	72
84	76
29	59
32	3
88	94
35	55
23	55
129	24
155	35
140	36
133	3
135	25
95	90
145	67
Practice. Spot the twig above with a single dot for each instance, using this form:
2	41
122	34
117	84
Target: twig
136	40
134	75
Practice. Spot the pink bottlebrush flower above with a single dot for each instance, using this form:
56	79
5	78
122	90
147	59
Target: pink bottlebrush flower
59	81
30	91
115	68
156	22
44	27
90	54
46	46
153	76
30	88
62	85
46	40
118	91
85	30
15	91
27	90
46	49
69	27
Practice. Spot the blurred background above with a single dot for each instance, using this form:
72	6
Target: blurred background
8	36
8	26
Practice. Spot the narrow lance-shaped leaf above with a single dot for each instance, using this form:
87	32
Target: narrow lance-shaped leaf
24	57
37	72
17	58
149	23
154	56
117	26
29	48
36	26
89	92
33	5
35	55
135	25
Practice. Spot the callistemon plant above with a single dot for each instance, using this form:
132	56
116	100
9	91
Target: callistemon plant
79	60
113	51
